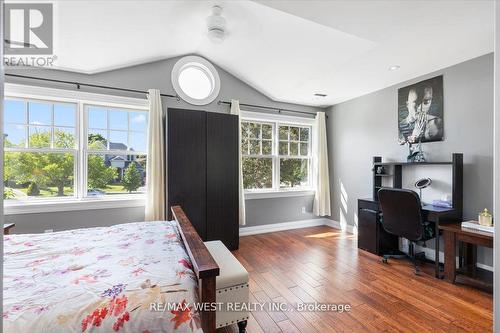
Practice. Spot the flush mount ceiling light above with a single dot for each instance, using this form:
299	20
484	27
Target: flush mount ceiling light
216	25
320	95
394	67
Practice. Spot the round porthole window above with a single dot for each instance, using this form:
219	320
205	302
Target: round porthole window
195	80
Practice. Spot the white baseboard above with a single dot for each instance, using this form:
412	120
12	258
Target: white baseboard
430	253
262	229
337	225
486	267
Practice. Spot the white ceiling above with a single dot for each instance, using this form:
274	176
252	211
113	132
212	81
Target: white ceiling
288	50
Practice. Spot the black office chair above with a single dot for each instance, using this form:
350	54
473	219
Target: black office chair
402	216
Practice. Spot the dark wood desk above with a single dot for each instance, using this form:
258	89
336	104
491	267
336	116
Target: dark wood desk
453	234
438	215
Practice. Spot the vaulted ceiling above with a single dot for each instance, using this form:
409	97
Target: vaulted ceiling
288	50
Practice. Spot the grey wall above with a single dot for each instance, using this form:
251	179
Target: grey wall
367	126
277	210
35	223
143	77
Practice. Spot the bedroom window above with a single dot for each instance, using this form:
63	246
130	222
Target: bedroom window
115	151
294	146
72	146
257	154
40	149
276	154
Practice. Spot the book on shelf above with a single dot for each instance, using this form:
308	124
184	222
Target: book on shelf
476	226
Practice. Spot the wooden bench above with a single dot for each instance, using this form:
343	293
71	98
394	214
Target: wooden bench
231	287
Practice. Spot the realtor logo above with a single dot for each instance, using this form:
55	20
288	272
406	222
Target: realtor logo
28	29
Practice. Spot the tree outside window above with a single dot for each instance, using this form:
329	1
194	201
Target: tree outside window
41	150
275	156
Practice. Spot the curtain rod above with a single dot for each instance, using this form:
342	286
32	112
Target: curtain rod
79	84
268	108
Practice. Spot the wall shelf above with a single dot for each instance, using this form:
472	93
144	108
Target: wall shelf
411	163
397	176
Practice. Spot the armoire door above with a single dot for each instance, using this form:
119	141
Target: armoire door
187	156
222	179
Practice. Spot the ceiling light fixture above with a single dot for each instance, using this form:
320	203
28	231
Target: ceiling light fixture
216	25
394	67
320	95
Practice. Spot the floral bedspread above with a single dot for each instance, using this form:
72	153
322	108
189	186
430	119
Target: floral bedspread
99	280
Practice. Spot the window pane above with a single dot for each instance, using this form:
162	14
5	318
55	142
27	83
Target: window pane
138	141
294	133
40	113
267	147
64	137
97	118
294	148
14	111
304	149
39	137
64	115
283	148
254	129
118	119
257	172
293	172
254	147
97	139
118	140
245	130
283	132
14	135
244	146
138	121
304	134
38	175
195	82
267	131
115	174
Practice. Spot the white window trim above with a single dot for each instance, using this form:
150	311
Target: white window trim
282	193
78	201
71	204
277	192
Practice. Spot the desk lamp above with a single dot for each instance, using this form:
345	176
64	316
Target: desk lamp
423	183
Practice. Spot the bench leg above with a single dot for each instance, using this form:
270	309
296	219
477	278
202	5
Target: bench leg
242	325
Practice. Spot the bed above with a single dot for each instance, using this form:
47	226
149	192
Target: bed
134	277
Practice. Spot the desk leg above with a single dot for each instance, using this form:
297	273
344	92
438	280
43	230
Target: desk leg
436	249
449	256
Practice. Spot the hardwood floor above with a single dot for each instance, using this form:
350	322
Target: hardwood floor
321	264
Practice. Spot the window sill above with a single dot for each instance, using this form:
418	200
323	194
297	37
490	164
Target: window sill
23	207
250	195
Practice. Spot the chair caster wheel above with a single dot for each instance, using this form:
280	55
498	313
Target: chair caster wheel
384	260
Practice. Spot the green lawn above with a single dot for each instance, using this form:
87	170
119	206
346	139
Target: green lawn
51	191
115	188
45	192
119	189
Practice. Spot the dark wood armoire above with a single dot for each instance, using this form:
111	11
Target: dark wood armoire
202	174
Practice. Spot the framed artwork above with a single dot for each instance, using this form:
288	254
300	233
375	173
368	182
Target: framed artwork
420	111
